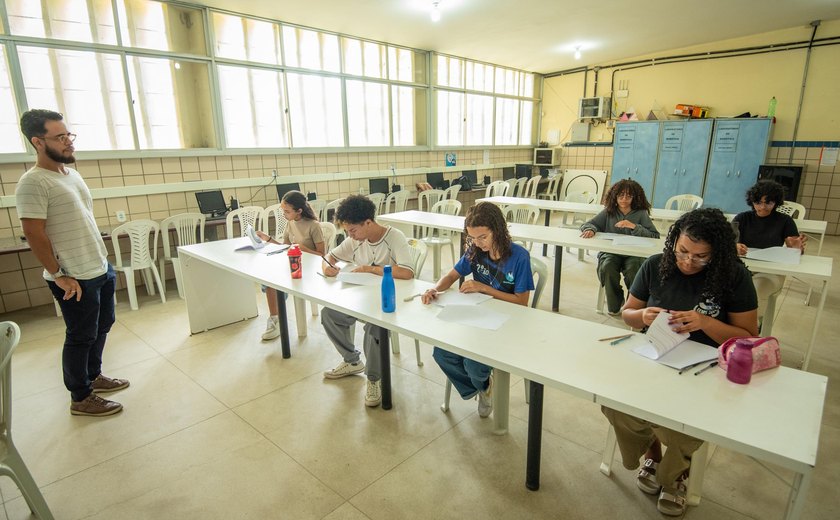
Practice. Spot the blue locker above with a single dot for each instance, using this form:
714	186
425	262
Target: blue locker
683	153
738	148
634	152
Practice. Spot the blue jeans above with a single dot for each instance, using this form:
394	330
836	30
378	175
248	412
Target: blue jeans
467	376
88	322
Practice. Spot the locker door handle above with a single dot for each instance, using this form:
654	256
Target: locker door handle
683	171
727	173
675	171
738	173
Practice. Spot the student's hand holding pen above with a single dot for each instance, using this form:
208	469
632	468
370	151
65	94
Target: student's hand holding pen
328	268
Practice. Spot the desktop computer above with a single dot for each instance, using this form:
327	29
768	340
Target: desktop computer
211	203
282	189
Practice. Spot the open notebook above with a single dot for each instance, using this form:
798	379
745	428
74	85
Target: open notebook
671	348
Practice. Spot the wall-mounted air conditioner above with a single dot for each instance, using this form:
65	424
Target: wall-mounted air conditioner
594	108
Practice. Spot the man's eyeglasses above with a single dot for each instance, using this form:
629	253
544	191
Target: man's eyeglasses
766	204
682	257
62	138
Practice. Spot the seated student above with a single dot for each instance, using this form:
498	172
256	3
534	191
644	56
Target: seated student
369	246
699	277
764	227
303	229
626	211
500	269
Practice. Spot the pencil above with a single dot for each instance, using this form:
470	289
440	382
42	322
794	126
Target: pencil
619	340
615	337
712	364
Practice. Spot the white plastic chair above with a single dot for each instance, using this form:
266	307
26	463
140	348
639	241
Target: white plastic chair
512	185
246	215
574	220
520	186
418	258
531	187
11	463
685	202
794	210
496	189
377	199
189	230
280	221
317	206
435	238
522	214
451	193
551	191
540	272
428	198
328	231
330	206
143	257
396	202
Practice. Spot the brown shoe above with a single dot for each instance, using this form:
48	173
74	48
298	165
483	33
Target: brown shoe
104	384
95	406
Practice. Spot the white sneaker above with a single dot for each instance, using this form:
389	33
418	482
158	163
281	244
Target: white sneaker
485	399
373	395
272	328
345	369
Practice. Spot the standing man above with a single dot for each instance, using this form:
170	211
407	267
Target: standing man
56	213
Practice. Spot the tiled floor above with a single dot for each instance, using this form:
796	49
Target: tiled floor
218	425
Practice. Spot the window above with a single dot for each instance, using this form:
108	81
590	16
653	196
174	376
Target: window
450	118
479	120
363	58
450	72
90	21
246	39
526	122
507	121
164	27
367	114
310	49
253	108
87	87
479	76
408	115
11	140
406	65
315	110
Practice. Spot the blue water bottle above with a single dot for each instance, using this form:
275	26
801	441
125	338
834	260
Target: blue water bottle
389	296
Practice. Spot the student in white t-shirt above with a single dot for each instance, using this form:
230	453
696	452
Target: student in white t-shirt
369	247
56	213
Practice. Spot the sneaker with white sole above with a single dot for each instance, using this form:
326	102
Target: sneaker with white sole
345	369
94	406
485	399
373	394
272	328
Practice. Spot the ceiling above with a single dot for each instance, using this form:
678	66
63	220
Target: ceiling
541	35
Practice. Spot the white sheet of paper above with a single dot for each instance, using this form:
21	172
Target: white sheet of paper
470	315
780	255
688	353
630	240
662	337
359	278
272	248
457	298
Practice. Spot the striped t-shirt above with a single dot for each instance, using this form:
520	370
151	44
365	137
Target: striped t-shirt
64	201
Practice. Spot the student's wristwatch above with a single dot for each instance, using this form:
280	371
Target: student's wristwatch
60	273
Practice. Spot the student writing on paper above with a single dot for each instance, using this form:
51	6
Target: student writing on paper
500	269
626	211
763	227
369	246
302	228
707	290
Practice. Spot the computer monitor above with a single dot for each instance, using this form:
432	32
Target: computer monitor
378	185
435	179
508	173
211	202
523	171
472	175
282	189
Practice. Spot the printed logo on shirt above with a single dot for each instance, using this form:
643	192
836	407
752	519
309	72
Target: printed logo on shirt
709	307
508	277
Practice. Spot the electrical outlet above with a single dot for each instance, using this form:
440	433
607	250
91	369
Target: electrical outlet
120	216
274	173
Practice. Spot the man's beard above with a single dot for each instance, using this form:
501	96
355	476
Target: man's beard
57	157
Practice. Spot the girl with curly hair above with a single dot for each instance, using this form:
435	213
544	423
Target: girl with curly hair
626	211
700	281
500	269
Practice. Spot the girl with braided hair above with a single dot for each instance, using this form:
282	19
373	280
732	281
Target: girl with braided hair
700	281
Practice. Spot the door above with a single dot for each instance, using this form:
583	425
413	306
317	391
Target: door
634	153
738	149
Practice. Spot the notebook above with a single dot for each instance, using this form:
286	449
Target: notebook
670	348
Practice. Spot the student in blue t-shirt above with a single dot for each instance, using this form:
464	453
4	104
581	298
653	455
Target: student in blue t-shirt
500	269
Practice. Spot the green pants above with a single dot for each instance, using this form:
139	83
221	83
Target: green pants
610	269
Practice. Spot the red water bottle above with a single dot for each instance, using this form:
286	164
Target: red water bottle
294	261
740	364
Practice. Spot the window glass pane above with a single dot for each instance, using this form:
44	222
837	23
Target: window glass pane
253	108
164	27
310	49
406	65
315	110
408	115
246	39
172	106
528	85
364	58
450	118
507	81
90	21
87	87
526	123
367	114
11	139
479	76
507	121
479	119
450	72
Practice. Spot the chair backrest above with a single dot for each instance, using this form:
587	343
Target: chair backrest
553	187
584	197
452	192
792	209
512	185
9	339
496	189
520	186
247	215
540	272
418	249
317	206
396	202
522	213
187	227
331	206
279	221
142	253
684	202
447	207
531	187
377	199
428	198
328	230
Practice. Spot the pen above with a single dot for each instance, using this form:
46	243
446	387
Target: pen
712	364
278	251
324	258
689	367
322	275
615	337
616	342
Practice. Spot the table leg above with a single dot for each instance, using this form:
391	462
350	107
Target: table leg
501	401
816	326
436	262
555	290
547	223
284	324
300	316
385	351
798	492
535	416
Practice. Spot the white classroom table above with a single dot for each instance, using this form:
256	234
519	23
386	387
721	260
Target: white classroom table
786	402
818	268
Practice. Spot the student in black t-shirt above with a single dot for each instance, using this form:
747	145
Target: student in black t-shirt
701	282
